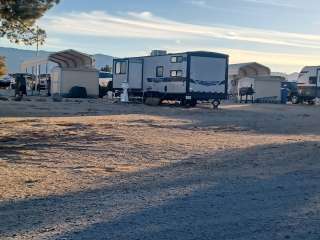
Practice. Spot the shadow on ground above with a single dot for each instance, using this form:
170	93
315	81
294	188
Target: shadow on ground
259	118
265	192
75	137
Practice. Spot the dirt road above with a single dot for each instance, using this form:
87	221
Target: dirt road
95	170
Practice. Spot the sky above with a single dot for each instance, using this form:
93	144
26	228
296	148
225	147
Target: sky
282	34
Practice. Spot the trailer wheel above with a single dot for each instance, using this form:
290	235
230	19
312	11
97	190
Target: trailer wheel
152	101
215	103
311	102
193	102
189	103
295	99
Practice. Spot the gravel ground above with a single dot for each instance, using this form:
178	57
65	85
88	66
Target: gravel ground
96	170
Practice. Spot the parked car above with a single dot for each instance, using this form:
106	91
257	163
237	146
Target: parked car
5	81
43	81
104	78
105	83
29	78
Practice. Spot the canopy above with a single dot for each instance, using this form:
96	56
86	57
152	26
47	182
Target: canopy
71	59
251	69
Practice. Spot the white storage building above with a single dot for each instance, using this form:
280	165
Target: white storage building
72	68
266	88
244	70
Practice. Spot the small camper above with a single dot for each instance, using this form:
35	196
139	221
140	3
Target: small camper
186	77
309	84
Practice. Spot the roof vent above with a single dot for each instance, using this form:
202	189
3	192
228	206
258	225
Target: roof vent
158	53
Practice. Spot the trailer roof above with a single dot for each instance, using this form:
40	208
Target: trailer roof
196	53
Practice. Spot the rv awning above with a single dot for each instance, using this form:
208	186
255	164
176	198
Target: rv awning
71	59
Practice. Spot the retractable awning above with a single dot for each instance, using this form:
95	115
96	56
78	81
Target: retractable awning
71	59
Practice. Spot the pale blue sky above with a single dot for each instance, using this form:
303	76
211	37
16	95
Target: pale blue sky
282	34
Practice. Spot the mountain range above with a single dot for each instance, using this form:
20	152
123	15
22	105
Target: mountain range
14	58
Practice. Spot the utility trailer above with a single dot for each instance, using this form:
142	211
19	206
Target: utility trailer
186	77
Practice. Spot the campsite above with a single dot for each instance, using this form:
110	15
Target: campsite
90	169
159	120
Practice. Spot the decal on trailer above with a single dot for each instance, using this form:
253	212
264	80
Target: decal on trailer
207	83
167	79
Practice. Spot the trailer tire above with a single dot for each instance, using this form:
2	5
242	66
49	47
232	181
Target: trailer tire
295	99
189	103
193	103
152	101
215	103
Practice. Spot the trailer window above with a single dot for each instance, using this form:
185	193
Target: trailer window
121	67
176	73
159	71
313	80
176	59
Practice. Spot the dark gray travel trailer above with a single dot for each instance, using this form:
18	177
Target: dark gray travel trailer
186	77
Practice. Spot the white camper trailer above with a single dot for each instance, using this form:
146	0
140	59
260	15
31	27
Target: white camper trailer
309	83
186	77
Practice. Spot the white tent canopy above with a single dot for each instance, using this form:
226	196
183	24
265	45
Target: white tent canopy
248	70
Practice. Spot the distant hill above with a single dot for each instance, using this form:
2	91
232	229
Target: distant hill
103	60
293	77
14	57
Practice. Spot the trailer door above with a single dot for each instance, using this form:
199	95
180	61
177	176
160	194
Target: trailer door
135	73
120	73
208	74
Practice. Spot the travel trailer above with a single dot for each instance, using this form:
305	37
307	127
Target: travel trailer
186	77
308	84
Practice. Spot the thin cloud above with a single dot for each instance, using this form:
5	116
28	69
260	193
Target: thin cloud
147	26
275	3
198	3
282	62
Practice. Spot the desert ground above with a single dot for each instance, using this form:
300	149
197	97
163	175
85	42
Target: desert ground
91	169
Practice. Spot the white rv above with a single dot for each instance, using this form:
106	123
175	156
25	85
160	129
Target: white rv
186	77
309	83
